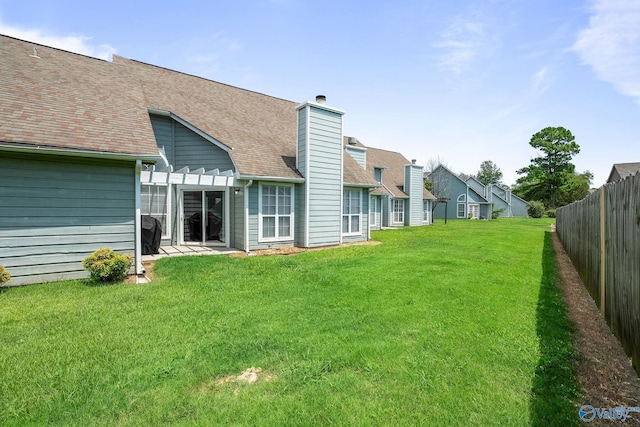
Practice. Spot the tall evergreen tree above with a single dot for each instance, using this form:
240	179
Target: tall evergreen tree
552	169
489	173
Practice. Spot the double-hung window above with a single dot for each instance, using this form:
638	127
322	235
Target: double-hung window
153	202
398	211
276	212
351	211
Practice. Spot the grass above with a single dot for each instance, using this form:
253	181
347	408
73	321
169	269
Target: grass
456	324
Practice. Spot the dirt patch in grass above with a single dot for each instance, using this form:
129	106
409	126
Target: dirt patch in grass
604	371
290	250
248	376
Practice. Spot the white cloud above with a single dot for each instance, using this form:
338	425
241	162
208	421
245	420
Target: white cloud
462	42
541	81
73	43
611	44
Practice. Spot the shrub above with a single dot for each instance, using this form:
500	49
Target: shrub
4	275
551	213
535	209
496	213
105	265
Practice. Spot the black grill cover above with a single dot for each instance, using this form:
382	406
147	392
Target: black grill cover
151	235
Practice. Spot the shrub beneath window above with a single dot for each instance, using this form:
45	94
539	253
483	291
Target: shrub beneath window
105	265
551	213
4	275
536	209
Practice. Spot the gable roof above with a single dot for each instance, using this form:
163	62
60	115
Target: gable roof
259	129
64	101
393	164
622	170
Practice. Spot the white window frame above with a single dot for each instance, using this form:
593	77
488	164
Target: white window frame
462	199
398	214
167	213
277	215
426	212
346	213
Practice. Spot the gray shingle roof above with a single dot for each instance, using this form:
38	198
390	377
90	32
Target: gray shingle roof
63	100
393	164
622	170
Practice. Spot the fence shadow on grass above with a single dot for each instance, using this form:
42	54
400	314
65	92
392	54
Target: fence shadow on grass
555	388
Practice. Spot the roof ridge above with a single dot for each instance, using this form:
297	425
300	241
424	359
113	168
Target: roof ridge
58	49
200	77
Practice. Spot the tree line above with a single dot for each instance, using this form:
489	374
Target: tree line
550	180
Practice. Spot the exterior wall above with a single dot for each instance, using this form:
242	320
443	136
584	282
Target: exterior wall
387	211
498	203
359	154
451	187
320	151
474	197
413	185
184	147
519	207
56	211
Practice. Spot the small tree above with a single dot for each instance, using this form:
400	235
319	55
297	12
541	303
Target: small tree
104	265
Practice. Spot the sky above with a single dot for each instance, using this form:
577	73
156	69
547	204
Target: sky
457	82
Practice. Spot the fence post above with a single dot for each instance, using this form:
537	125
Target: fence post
602	251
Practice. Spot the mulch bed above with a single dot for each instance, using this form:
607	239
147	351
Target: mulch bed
604	371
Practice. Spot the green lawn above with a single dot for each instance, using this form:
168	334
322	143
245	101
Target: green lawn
456	324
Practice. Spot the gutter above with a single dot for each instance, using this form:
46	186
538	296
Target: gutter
61	151
271	178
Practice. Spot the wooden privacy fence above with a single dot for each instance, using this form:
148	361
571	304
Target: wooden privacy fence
601	235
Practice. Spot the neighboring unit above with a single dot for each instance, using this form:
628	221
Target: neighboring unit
89	147
462	197
622	170
401	198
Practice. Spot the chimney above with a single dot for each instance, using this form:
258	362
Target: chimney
321	99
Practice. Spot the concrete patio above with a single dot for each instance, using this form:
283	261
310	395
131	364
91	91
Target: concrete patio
168	251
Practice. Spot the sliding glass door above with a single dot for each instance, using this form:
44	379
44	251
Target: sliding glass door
203	214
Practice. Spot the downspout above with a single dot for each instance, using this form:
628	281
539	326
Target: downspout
246	216
138	222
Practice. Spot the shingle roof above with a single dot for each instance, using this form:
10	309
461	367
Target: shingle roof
260	129
393	164
623	170
53	98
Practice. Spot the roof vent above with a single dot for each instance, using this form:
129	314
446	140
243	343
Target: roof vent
413	161
35	53
352	140
321	99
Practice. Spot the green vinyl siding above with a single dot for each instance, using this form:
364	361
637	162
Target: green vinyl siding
323	171
414	208
359	154
184	147
55	211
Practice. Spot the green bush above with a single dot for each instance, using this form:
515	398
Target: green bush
4	275
536	209
551	213
496	213
105	265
